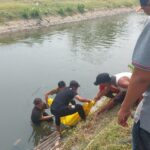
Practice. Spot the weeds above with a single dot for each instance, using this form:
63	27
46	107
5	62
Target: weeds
26	9
61	12
81	8
25	14
35	12
101	134
69	11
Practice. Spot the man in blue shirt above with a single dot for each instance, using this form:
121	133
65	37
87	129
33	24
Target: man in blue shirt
139	83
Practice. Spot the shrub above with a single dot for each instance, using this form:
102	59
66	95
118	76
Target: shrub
46	12
81	8
25	14
35	12
61	12
69	11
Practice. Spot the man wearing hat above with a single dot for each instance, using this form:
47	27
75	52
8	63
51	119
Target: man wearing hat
112	86
139	83
61	104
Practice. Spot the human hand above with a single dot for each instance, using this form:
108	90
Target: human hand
71	106
95	99
89	100
51	116
138	9
123	116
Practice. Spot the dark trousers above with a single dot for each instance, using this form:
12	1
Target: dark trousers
141	138
68	111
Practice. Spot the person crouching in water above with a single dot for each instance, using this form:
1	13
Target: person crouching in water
38	114
60	106
114	87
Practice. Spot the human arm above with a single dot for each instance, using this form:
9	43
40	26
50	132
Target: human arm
139	83
45	106
101	93
45	118
81	99
53	91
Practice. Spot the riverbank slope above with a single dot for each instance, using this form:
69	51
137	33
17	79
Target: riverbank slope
22	15
101	133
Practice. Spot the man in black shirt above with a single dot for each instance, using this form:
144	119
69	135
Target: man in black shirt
60	106
61	86
38	114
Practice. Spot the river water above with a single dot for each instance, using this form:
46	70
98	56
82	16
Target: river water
32	63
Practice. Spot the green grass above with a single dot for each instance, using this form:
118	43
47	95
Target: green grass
27	9
113	137
101	134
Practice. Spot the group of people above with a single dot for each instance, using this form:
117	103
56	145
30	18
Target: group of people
112	86
125	87
63	104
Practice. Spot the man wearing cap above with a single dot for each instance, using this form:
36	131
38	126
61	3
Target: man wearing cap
61	86
114	87
38	114
139	83
60	106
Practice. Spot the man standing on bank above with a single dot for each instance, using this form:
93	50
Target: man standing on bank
139	83
60	106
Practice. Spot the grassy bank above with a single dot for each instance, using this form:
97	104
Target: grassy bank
102	133
27	9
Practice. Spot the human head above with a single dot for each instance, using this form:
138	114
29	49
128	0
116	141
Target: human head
145	5
102	78
38	103
74	84
61	84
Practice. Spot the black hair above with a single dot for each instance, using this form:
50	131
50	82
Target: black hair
74	83
61	84
37	101
102	78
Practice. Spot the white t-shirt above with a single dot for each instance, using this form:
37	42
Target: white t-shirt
120	75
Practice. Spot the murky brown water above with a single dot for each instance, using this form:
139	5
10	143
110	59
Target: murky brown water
32	63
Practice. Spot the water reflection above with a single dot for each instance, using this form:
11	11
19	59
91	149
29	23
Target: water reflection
89	39
102	33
